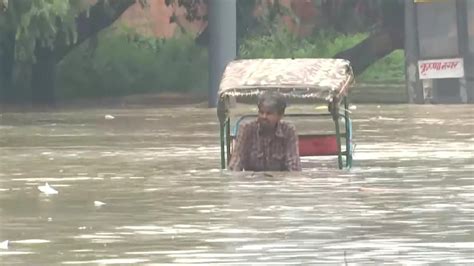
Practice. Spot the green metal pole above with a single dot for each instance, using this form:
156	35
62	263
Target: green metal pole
221	125
227	137
338	136
347	133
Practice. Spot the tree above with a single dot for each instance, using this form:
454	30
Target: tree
385	18
36	35
247	23
388	31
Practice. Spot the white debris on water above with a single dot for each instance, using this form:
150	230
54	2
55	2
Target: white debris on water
109	117
4	245
47	189
31	241
99	203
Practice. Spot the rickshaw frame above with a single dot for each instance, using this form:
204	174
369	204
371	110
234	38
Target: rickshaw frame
335	93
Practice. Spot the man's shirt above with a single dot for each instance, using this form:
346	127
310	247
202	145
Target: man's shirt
254	151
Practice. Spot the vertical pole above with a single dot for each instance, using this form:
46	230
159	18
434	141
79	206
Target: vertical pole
227	139
335	117
461	14
469	57
338	138
348	133
412	54
222	44
221	127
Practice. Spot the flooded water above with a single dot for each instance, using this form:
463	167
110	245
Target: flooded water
409	198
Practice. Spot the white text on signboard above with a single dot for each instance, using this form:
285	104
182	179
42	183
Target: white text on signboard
441	68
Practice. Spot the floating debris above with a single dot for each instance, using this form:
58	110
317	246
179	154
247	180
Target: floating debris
47	189
99	203
109	117
4	245
352	107
32	241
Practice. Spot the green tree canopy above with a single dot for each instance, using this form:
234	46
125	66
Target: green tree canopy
40	21
36	34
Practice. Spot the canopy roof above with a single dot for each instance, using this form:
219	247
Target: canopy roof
319	78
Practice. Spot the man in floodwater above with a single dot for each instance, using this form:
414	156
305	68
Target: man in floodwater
267	144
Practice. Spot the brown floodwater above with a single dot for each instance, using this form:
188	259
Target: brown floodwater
409	198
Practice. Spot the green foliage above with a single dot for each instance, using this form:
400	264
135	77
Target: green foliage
284	44
323	44
391	68
125	63
40	21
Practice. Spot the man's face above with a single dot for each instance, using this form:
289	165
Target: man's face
268	117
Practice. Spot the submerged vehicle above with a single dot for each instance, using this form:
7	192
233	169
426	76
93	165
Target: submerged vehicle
308	80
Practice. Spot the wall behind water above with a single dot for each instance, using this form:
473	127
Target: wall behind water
437	29
155	19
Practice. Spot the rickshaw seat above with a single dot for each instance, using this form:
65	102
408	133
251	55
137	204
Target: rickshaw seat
314	145
317	145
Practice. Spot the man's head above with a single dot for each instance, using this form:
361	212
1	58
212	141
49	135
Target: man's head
271	108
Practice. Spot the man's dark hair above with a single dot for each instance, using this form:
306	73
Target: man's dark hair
274	100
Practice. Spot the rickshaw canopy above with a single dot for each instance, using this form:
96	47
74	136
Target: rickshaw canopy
322	79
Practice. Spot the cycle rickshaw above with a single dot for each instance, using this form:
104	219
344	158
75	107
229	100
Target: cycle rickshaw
308	80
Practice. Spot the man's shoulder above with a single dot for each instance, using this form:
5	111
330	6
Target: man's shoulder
248	126
287	126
